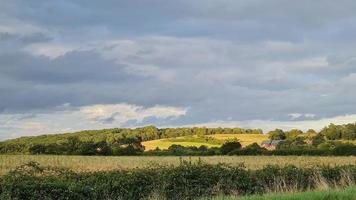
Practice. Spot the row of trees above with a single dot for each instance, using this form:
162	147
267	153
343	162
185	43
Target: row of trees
235	148
331	140
117	139
331	132
76	147
114	138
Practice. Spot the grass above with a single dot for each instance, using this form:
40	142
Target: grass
101	163
347	194
218	140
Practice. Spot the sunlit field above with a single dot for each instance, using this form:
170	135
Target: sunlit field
99	163
244	139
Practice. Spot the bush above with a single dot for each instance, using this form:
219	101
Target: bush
252	149
345	149
229	147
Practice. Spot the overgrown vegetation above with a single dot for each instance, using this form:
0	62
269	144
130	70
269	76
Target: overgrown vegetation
186	181
336	194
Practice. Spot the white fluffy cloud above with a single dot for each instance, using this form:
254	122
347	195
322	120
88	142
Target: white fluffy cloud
268	125
67	118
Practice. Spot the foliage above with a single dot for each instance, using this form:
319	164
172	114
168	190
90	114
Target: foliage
86	142
252	149
186	181
293	134
277	134
122	141
337	132
336	194
229	147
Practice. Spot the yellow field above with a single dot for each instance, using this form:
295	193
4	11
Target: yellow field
164	144
245	139
96	163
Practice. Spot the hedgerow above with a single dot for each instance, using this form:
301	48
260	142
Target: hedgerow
186	181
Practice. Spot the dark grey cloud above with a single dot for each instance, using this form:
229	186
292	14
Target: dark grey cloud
74	66
222	60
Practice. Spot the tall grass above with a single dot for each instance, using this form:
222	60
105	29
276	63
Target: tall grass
103	163
335	194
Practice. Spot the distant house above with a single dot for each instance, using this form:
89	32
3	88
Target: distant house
271	144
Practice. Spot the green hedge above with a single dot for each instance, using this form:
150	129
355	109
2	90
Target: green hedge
186	181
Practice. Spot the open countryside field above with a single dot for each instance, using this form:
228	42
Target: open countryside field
100	163
219	139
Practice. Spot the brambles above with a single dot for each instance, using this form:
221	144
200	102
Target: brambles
189	180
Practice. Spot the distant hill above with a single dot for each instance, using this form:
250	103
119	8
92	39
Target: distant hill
114	137
93	142
215	140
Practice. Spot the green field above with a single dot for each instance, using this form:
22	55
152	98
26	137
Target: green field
100	163
216	141
347	194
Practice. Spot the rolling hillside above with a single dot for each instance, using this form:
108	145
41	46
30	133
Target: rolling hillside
215	140
151	137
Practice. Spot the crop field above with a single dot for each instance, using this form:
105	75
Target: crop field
100	163
217	140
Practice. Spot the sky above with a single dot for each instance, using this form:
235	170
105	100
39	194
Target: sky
71	65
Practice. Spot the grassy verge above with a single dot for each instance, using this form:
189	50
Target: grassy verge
347	194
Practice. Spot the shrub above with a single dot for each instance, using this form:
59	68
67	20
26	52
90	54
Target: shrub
229	147
186	181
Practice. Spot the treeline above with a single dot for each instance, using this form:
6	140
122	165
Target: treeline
74	146
331	132
116	138
186	181
234	148
121	141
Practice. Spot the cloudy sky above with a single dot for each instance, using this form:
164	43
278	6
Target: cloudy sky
72	65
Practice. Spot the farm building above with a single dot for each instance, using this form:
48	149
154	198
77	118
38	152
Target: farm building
271	144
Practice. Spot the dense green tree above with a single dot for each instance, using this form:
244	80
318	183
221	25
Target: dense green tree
72	145
317	140
345	149
203	148
37	149
348	132
311	132
254	149
230	146
332	132
277	134
293	134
